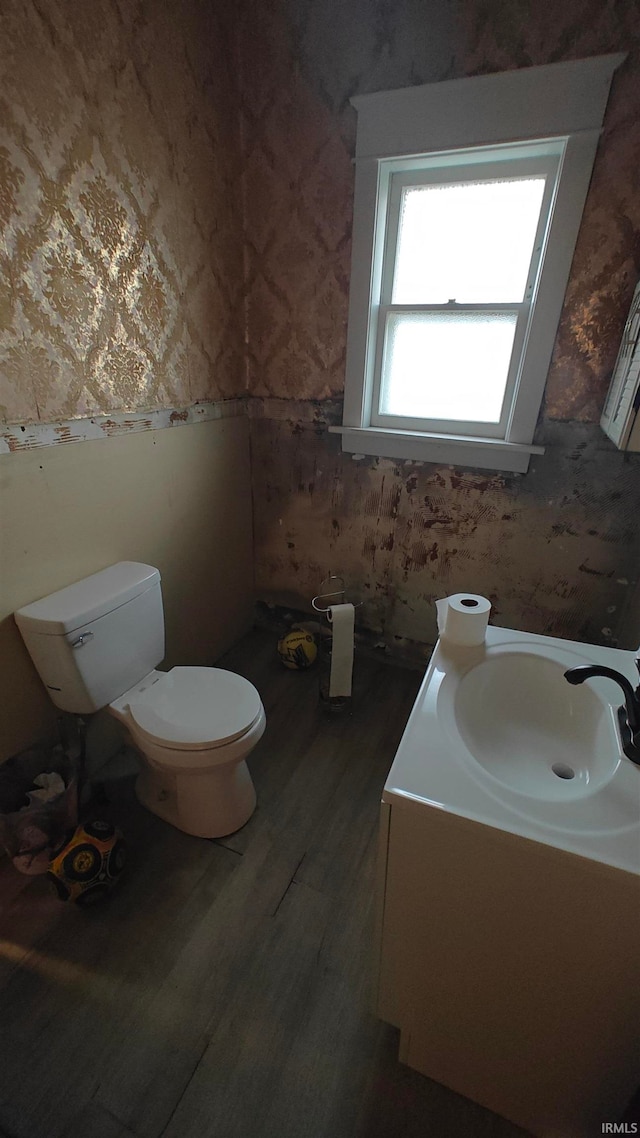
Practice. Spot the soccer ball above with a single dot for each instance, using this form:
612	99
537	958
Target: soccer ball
88	866
297	650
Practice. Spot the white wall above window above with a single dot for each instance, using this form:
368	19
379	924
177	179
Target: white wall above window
469	196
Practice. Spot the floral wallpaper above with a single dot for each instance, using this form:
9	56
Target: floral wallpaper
557	550
121	251
303	60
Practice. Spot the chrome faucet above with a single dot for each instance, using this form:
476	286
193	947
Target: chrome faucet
628	714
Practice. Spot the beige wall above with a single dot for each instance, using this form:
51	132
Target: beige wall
177	498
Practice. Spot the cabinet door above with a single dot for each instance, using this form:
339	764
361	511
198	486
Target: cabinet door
504	965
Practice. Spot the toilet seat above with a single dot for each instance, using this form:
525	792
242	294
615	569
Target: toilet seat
194	709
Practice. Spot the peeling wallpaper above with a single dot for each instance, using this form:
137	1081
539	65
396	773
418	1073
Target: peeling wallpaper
176	187
555	550
121	258
558	549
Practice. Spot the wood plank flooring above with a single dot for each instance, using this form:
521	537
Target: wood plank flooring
225	989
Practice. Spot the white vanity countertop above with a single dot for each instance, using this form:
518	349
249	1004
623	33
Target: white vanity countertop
597	818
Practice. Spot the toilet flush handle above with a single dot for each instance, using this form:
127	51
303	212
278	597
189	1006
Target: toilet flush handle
82	640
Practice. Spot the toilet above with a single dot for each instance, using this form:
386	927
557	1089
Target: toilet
97	643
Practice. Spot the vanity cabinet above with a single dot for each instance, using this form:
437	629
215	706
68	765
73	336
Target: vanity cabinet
510	967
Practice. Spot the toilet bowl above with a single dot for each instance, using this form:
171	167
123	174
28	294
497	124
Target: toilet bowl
97	643
194	728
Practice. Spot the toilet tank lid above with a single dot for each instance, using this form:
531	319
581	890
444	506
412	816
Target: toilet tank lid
86	600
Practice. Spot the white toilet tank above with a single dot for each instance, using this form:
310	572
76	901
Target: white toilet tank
95	639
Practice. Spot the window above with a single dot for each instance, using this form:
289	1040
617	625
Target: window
461	255
463	245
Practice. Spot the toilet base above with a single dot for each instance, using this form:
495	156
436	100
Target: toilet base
208	805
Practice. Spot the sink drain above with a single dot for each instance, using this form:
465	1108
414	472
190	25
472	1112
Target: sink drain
563	770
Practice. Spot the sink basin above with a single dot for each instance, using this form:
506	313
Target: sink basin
531	731
499	737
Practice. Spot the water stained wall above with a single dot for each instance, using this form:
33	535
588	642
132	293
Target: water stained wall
557	549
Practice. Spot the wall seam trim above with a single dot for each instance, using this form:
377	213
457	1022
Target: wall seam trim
30	436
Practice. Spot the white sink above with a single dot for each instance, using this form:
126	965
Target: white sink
497	735
520	719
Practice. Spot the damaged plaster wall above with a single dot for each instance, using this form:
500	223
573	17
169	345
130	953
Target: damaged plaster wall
406	533
557	550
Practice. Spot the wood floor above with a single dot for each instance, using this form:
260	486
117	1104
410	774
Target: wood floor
225	989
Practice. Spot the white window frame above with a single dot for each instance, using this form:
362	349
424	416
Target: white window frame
480	163
554	111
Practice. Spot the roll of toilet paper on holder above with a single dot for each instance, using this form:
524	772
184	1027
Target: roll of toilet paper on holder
341	619
463	619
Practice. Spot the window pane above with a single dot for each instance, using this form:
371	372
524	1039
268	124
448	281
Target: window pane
469	241
443	365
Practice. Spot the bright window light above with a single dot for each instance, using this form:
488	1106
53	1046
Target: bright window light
467	245
442	365
470	242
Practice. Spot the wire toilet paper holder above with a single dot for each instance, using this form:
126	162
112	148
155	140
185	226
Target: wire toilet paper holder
332	596
333	591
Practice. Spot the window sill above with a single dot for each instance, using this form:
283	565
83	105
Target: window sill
457	450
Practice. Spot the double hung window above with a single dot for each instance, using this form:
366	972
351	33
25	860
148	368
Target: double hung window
463	246
461	256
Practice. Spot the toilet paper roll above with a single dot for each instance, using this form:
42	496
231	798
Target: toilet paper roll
341	618
463	619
